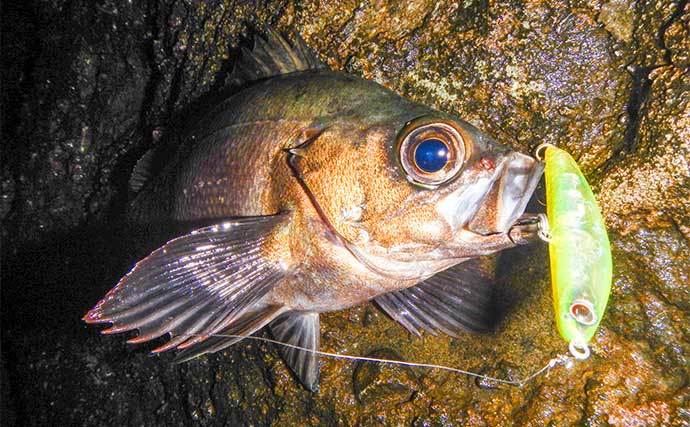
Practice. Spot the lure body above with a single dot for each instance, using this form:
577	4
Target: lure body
579	252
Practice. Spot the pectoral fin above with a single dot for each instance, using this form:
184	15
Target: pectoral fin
300	329
452	301
197	285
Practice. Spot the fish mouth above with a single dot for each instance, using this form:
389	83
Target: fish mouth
503	205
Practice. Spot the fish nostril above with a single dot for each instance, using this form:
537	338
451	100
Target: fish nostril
487	163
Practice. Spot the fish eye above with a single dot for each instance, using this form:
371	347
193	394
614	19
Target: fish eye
430	153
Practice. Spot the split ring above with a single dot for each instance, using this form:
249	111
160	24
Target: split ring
579	349
540	149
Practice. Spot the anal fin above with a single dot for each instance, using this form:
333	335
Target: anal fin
300	329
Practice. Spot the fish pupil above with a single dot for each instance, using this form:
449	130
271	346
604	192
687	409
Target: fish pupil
431	155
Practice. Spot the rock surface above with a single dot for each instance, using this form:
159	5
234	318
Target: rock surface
89	86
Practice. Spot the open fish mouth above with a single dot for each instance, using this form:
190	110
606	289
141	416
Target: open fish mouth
506	200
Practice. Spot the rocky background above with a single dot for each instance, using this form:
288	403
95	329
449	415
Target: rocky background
88	86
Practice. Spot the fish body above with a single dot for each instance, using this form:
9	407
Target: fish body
325	191
579	251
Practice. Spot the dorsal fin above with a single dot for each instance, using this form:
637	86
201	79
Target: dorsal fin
271	56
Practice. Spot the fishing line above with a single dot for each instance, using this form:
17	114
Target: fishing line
556	361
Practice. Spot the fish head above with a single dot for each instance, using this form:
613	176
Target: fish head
411	198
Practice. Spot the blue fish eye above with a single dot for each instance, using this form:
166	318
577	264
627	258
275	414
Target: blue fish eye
431	155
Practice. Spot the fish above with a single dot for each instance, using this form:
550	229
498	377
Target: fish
581	285
318	191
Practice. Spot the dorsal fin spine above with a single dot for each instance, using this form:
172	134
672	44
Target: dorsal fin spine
272	55
276	38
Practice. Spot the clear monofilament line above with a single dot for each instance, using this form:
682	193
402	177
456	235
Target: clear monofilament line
558	360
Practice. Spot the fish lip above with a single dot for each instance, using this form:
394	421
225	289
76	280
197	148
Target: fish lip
527	191
503	204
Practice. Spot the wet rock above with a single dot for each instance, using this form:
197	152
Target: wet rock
376	383
650	186
618	19
88	87
501	370
7	195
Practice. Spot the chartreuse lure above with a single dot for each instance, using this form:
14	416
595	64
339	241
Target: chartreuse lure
579	250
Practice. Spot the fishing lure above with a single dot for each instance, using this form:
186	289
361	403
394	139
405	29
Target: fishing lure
579	250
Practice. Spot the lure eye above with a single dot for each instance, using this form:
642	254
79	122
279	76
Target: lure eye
431	153
583	312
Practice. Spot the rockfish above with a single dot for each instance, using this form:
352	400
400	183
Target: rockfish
322	190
